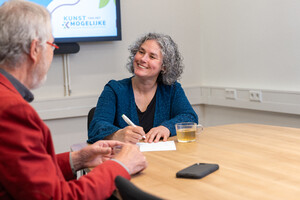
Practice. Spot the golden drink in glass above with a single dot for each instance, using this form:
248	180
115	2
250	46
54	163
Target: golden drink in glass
186	131
186	135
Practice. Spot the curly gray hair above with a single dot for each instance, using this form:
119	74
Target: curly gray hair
172	59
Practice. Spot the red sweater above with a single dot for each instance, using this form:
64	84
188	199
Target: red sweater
28	164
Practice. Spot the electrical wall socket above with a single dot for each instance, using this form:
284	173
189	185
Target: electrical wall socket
230	93
255	95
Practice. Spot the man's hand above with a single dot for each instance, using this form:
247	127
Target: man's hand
95	154
132	158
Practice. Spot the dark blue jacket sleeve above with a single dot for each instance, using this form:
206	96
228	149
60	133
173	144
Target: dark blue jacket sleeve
180	109
102	124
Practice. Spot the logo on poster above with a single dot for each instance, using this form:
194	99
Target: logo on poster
82	21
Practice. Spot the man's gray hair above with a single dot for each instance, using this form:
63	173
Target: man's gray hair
20	23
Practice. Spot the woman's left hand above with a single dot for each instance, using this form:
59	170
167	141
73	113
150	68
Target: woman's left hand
156	133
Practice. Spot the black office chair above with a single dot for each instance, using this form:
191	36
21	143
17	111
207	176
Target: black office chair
128	191
90	116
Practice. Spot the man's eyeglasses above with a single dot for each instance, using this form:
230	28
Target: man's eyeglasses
53	45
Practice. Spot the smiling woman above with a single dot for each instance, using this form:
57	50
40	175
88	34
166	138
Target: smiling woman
148	61
152	98
171	58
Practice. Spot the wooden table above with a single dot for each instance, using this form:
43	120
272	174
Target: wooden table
256	162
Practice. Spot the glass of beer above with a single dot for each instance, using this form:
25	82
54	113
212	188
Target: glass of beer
186	131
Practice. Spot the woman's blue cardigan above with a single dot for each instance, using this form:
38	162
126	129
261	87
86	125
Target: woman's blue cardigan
117	98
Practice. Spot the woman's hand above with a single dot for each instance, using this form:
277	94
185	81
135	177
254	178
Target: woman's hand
156	133
129	134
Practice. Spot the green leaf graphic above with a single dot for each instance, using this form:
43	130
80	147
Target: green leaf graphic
103	3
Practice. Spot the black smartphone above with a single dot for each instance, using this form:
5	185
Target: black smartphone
198	170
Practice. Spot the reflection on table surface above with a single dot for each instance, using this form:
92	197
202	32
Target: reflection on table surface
256	162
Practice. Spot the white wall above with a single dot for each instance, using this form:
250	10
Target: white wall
232	44
250	43
218	115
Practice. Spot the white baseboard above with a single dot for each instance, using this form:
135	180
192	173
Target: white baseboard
267	100
273	101
66	107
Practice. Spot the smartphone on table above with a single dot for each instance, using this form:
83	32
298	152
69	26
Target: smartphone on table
197	170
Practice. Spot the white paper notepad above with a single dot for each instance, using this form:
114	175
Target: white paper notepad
159	146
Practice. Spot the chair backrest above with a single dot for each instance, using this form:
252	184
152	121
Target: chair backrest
90	116
128	191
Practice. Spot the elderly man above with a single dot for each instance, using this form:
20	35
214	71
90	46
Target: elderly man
28	164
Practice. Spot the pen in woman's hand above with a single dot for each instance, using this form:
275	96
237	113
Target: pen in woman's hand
130	123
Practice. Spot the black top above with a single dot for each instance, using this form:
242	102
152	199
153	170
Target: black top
146	118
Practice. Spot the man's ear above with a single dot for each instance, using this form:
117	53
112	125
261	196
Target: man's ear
34	50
